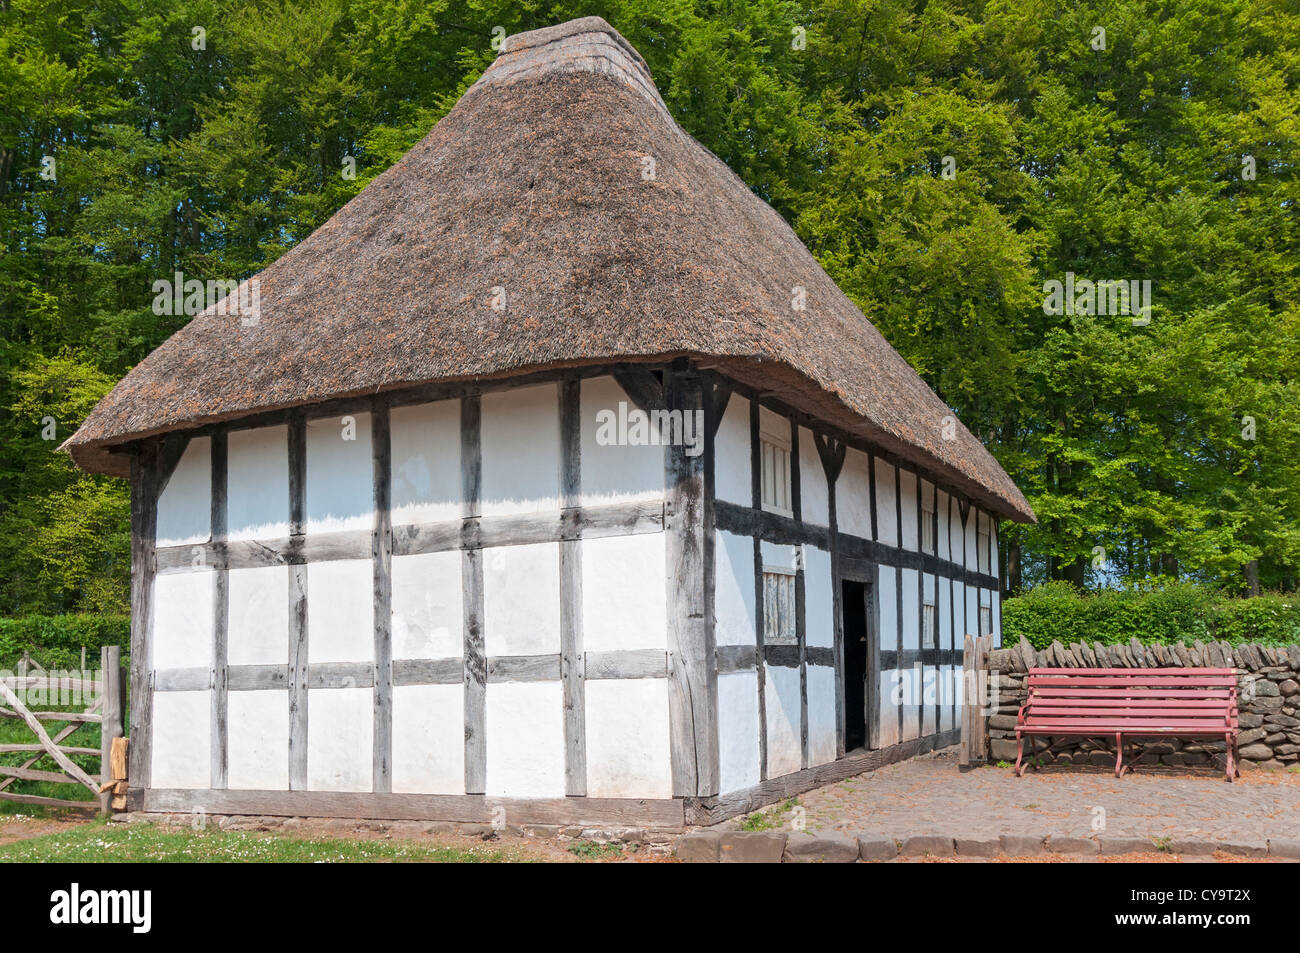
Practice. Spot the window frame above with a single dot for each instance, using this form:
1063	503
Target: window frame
781	450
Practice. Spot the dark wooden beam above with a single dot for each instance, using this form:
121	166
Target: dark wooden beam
382	560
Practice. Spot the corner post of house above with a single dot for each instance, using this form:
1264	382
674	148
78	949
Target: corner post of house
144	521
692	667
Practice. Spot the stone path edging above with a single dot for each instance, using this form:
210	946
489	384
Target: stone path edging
758	847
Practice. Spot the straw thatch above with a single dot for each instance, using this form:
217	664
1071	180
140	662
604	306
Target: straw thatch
534	183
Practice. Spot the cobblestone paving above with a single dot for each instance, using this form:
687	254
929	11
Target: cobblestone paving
930	795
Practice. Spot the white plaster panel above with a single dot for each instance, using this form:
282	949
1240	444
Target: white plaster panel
821	714
341	611
959	628
613	472
521	599
994	565
973	610
945	613
914	696
428	606
624	592
258	741
183	618
525	739
784	747
257	483
738	730
340	474
340	739
429	739
942	502
521	450
181	739
956	540
732	465
819	626
889	688
887	599
910	512
185	506
734	589
930	685
258	625
778	557
911	609
997	620
853	495
426	480
886	503
947	709
972	539
813	501
627	738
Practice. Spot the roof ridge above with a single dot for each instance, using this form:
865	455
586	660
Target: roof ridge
584	45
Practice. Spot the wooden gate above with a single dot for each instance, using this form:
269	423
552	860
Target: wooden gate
105	710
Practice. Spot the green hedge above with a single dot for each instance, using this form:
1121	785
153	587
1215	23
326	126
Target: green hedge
1171	614
56	640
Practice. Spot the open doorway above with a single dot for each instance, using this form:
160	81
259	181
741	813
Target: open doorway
856	601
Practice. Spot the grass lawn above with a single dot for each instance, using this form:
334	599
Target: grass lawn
98	841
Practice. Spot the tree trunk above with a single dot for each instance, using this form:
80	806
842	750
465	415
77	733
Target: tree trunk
1013	570
1251	572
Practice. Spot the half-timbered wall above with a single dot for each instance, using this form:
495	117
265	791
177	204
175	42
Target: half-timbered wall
857	514
467	596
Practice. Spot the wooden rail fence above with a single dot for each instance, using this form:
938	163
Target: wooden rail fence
106	709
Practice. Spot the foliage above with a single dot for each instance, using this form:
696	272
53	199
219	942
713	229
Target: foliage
1174	612
1170	449
57	641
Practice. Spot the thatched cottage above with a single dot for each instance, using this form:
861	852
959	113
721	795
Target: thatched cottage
553	480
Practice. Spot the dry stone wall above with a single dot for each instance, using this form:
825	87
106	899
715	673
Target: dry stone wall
1268	701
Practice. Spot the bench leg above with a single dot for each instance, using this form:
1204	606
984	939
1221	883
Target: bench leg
1232	761
1020	756
1119	755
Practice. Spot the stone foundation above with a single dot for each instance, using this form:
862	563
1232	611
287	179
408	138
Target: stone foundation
1268	701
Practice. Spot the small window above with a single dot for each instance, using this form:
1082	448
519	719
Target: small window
778	609
775	458
927	530
986	620
982	553
929	625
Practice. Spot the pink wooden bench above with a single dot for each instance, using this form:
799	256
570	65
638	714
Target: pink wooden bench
1133	703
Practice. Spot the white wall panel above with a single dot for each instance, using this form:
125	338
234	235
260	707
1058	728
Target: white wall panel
340	739
428	606
340	474
624	592
429	739
944	598
185	506
887	600
738	730
734	589
890	687
627	738
853	495
911	609
258	733
959	627
426	481
525	739
813	500
886	503
781	694
942	502
181	740
732	455
258	624
613	472
521	599
521	450
910	511
913	697
257	481
341	611
819	626
183	618
821	714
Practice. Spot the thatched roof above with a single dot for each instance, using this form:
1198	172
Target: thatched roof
534	183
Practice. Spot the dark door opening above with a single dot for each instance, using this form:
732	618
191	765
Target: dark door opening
854	603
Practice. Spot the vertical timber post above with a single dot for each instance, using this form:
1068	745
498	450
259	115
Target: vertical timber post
112	682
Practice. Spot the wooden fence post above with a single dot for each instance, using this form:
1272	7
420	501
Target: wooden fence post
112	679
975	689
